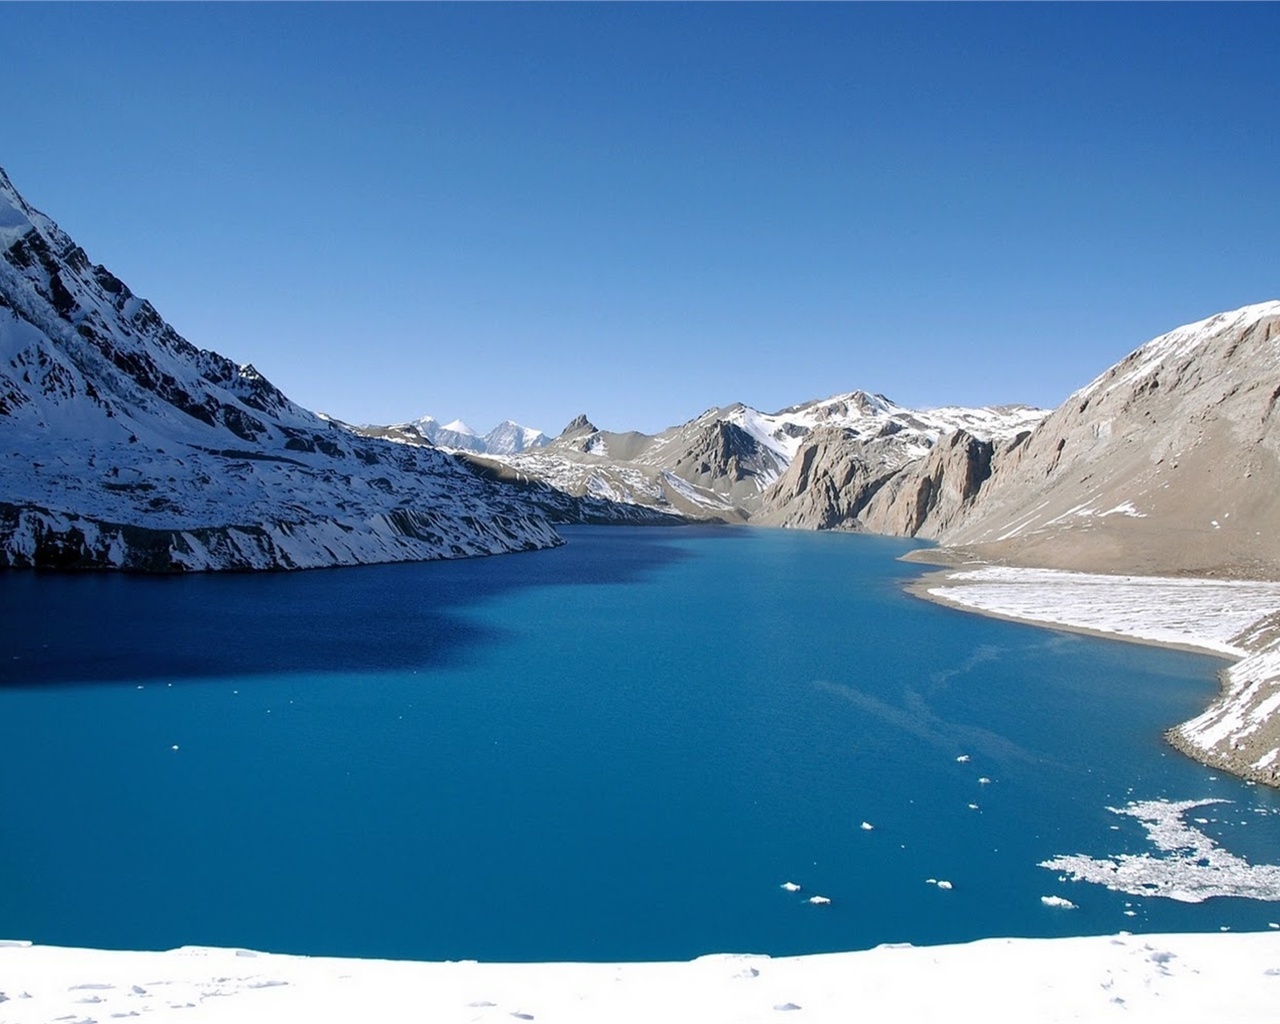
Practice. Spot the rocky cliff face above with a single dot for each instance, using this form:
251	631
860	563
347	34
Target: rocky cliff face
930	495
833	478
1169	462
127	447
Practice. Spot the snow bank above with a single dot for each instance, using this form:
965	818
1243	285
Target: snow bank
1138	978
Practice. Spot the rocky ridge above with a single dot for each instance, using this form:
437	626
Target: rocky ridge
737	464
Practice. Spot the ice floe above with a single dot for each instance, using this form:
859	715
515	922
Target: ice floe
1190	868
1058	901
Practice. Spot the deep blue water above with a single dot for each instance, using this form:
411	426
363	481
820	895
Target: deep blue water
615	750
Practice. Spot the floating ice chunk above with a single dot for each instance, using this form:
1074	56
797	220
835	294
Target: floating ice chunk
866	826
973	807
1191	866
819	901
1057	901
1272	924
983	780
174	747
791	886
944	884
962	759
1130	913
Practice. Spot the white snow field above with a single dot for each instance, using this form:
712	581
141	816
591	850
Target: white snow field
1166	978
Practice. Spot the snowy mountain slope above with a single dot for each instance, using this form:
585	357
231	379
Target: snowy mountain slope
122	445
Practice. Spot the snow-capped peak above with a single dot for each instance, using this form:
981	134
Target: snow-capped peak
507	438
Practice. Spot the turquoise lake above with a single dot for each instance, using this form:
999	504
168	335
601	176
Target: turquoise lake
619	749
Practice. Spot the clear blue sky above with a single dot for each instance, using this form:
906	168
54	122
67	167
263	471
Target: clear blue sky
640	211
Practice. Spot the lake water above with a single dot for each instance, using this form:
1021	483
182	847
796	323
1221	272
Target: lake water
615	750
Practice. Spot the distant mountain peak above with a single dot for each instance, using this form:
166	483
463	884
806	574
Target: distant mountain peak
507	438
579	425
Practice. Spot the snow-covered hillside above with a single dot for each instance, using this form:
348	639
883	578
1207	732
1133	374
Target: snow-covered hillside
124	446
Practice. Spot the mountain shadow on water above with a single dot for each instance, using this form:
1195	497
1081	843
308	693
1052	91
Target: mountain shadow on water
100	628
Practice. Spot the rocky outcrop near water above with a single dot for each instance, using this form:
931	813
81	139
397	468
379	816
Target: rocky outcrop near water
127	447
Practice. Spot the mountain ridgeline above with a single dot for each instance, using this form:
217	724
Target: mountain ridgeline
1167	463
737	464
128	447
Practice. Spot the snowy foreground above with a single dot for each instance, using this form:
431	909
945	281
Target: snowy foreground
1240	731
1232	977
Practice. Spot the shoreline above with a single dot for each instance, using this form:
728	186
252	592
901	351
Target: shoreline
1239	729
927	588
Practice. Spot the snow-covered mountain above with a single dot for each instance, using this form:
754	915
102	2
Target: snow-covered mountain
447	435
123	445
723	463
507	438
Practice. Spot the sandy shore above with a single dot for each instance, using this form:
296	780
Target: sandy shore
1236	619
1232	977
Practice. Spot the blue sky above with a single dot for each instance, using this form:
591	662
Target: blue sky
640	211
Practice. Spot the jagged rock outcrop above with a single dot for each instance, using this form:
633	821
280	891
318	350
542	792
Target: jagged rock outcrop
833	478
727	461
579	426
930	495
125	446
